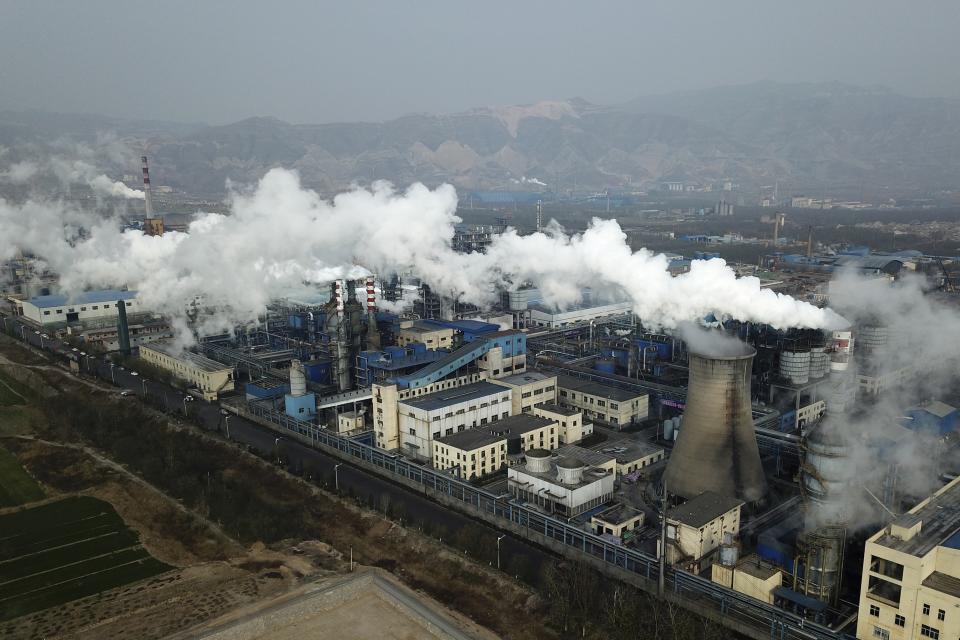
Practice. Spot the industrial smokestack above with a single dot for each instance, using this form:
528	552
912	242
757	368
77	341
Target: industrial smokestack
717	447
778	220
373	335
147	193
123	328
810	242
539	215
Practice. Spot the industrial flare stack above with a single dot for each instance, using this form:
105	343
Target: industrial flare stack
717	447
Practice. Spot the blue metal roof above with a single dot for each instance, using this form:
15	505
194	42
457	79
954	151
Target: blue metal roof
87	297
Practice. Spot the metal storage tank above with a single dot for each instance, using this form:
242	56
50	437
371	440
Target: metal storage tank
729	552
717	447
298	379
605	366
668	429
873	336
819	363
795	366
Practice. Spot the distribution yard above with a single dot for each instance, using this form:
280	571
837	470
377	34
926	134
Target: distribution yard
64	550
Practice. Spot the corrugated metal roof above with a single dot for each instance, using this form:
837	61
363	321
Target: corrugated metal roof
87	297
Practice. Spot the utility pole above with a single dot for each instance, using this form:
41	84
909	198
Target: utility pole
336	476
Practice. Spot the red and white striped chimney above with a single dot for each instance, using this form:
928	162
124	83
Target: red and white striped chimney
371	295
148	199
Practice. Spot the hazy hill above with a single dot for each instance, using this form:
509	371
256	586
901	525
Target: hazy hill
807	136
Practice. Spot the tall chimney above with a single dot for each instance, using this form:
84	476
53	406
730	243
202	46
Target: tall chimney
717	447
147	192
809	242
123	328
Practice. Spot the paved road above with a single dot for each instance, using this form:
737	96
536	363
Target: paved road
416	507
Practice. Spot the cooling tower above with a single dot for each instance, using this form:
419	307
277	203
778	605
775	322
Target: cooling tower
717	447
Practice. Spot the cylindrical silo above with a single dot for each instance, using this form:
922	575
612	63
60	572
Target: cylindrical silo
298	379
717	447
819	363
873	337
668	429
795	366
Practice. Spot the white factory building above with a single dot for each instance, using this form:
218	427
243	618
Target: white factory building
564	486
424	419
541	316
90	307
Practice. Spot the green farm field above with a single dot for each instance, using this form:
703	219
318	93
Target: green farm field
65	550
16	487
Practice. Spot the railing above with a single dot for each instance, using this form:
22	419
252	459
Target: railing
781	624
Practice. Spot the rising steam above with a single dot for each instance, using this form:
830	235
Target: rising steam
281	238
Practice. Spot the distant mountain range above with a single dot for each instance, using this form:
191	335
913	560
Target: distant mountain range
806	136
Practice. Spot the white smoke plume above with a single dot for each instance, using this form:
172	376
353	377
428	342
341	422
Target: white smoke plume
71	172
280	237
19	172
920	362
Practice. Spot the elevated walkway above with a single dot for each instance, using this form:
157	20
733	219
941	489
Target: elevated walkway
446	365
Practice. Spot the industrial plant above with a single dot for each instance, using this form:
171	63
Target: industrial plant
768	472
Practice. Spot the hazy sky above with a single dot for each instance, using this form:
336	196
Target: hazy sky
353	60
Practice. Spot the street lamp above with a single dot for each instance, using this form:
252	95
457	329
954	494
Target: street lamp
113	377
336	476
185	406
227	420
143	383
498	550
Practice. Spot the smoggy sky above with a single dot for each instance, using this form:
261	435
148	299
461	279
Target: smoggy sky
321	61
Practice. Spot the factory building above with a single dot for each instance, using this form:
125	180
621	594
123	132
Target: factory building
530	389
210	377
570	421
541	316
428	334
427	418
633	455
935	417
107	338
566	487
910	586
474	453
750	576
608	405
90	307
696	528
491	356
620	521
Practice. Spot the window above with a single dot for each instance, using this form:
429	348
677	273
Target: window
436	435
413	432
926	609
929	632
880	632
46	313
60	311
448	415
83	308
899	620
526	395
436	419
941	614
874	611
614	405
95	307
601	403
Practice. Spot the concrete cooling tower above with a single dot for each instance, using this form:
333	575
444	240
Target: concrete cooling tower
717	446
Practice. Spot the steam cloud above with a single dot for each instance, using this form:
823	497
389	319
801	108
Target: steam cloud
70	172
924	341
281	238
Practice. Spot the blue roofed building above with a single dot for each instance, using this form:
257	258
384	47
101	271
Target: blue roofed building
933	417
